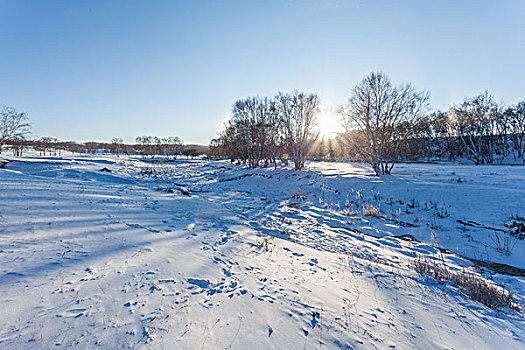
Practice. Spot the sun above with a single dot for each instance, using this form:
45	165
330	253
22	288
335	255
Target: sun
328	123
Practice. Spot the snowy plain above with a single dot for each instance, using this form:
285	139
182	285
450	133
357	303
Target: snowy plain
251	258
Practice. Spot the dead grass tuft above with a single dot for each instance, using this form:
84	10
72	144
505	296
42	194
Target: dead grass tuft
504	242
298	195
370	210
262	243
469	284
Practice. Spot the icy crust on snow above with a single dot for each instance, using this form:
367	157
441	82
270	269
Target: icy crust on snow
124	259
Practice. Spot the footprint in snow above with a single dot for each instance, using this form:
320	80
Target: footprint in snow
199	282
73	313
315	316
313	262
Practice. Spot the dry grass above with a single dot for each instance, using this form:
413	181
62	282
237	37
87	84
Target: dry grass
370	210
349	212
471	285
504	242
262	243
165	189
517	217
287	232
298	195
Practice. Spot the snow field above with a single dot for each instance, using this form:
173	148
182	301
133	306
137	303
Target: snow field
94	259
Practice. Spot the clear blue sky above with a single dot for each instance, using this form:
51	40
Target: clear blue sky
93	70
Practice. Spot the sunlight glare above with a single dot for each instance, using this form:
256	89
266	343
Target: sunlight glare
328	123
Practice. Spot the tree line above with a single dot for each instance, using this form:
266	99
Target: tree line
146	146
383	124
15	129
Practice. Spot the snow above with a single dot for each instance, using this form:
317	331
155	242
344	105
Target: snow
126	260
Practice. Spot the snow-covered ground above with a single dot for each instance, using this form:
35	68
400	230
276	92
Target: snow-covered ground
256	259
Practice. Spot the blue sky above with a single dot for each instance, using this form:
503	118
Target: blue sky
93	70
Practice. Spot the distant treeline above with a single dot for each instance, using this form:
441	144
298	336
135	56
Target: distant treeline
145	146
15	129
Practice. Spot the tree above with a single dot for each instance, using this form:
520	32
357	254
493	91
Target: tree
225	145
13	125
255	128
516	119
386	114
116	145
46	144
432	137
263	130
172	146
320	149
474	122
145	145
298	113
331	150
18	145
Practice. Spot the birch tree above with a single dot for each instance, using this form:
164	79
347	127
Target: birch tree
473	122
298	112
385	114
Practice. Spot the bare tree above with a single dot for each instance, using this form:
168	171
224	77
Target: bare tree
13	125
255	125
172	146
91	147
385	113
18	145
298	112
224	145
431	137
474	122
516	119
319	149
116	145
145	145
46	144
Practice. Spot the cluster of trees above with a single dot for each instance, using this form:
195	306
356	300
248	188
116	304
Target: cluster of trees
478	129
327	149
263	130
153	145
383	124
488	131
